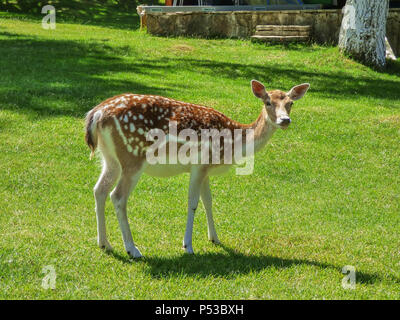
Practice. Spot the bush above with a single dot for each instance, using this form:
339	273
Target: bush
34	6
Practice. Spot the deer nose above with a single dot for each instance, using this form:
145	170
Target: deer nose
284	121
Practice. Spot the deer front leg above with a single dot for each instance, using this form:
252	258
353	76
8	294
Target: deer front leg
196	178
207	201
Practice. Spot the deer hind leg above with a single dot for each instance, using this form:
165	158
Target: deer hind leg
207	201
119	197
110	173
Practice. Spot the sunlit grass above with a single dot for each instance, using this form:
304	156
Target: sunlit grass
324	194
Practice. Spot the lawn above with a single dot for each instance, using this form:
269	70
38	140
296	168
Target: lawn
324	194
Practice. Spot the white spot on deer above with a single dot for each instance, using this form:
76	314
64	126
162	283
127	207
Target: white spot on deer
118	127
144	106
126	119
132	127
141	117
129	148
134	118
140	131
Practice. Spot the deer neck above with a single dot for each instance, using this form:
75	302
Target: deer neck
263	129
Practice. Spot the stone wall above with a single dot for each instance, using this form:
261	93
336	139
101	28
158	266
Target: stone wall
393	30
242	24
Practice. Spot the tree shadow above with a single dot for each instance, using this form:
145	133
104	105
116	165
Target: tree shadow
332	84
392	67
119	14
65	77
231	264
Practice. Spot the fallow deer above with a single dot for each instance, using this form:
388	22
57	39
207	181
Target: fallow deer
119	125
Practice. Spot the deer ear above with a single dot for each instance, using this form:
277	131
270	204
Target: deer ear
297	92
258	89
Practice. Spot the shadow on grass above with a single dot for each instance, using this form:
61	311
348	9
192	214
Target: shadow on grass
106	13
230	264
55	77
63	77
392	68
332	84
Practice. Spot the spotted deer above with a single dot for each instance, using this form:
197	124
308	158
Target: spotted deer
119	125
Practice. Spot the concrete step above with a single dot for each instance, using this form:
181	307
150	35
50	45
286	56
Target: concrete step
283	39
282	33
283	28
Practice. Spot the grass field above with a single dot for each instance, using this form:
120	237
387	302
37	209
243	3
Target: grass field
324	194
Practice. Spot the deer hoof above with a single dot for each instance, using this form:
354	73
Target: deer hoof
133	252
105	245
188	249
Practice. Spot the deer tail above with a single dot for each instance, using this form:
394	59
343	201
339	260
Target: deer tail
92	118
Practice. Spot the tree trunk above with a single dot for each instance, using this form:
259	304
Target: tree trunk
363	31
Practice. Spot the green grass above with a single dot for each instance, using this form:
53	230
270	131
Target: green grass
324	194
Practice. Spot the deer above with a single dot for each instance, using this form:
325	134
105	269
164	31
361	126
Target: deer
117	127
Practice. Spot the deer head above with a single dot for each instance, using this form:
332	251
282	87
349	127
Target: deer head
277	103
